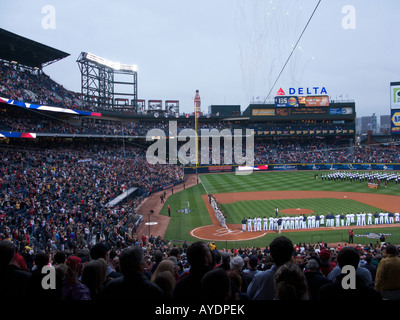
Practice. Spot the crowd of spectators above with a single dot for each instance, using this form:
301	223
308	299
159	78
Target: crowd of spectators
59	198
31	86
195	272
266	151
26	85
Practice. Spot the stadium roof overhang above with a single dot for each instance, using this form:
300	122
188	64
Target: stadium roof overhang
27	52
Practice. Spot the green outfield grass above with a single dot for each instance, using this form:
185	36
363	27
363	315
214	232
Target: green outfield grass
276	181
182	223
266	208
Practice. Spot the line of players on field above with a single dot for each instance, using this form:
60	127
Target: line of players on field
317	221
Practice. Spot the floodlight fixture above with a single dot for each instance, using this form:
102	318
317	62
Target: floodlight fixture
111	64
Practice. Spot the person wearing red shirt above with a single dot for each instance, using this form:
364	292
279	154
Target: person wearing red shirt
326	265
351	234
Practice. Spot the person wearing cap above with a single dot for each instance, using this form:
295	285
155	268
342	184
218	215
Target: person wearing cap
315	279
326	265
72	288
244	223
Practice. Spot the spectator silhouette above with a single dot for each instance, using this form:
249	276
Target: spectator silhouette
188	287
215	286
73	289
368	265
252	267
102	250
164	265
290	283
237	264
363	274
166	281
94	276
36	290
19	261
132	285
333	291
158	256
315	278
326	264
226	259
14	281
387	280
262	286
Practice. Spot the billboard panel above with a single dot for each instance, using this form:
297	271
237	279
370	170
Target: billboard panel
395	95
340	111
395	121
263	112
317	101
154	104
286	101
302	100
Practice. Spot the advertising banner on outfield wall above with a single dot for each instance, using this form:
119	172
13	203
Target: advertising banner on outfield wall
283	167
292	167
219	168
347	166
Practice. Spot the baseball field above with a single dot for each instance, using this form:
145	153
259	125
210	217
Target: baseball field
294	192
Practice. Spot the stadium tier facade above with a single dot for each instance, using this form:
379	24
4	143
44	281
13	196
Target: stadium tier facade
294	132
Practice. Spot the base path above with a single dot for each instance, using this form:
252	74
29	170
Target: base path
159	223
234	232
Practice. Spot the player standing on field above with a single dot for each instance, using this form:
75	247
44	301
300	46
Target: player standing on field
249	222
244	223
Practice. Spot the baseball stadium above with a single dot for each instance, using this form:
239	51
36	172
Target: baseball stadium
297	141
102	165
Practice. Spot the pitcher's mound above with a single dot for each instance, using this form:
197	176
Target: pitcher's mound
293	211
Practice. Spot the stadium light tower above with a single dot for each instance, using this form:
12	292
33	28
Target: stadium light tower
98	83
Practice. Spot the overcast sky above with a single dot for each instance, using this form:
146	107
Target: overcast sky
232	51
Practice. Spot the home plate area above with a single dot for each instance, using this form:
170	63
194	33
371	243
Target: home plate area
233	232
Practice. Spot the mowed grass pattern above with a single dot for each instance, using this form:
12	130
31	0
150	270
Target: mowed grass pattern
181	224
260	208
276	181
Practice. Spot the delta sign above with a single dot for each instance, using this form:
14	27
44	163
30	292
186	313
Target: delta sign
303	91
315	96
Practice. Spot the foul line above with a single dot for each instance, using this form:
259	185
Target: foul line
203	185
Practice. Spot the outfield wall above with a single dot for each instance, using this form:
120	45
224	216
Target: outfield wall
298	166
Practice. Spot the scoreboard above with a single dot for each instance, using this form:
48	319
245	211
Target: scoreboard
286	101
308	101
303	107
286	106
